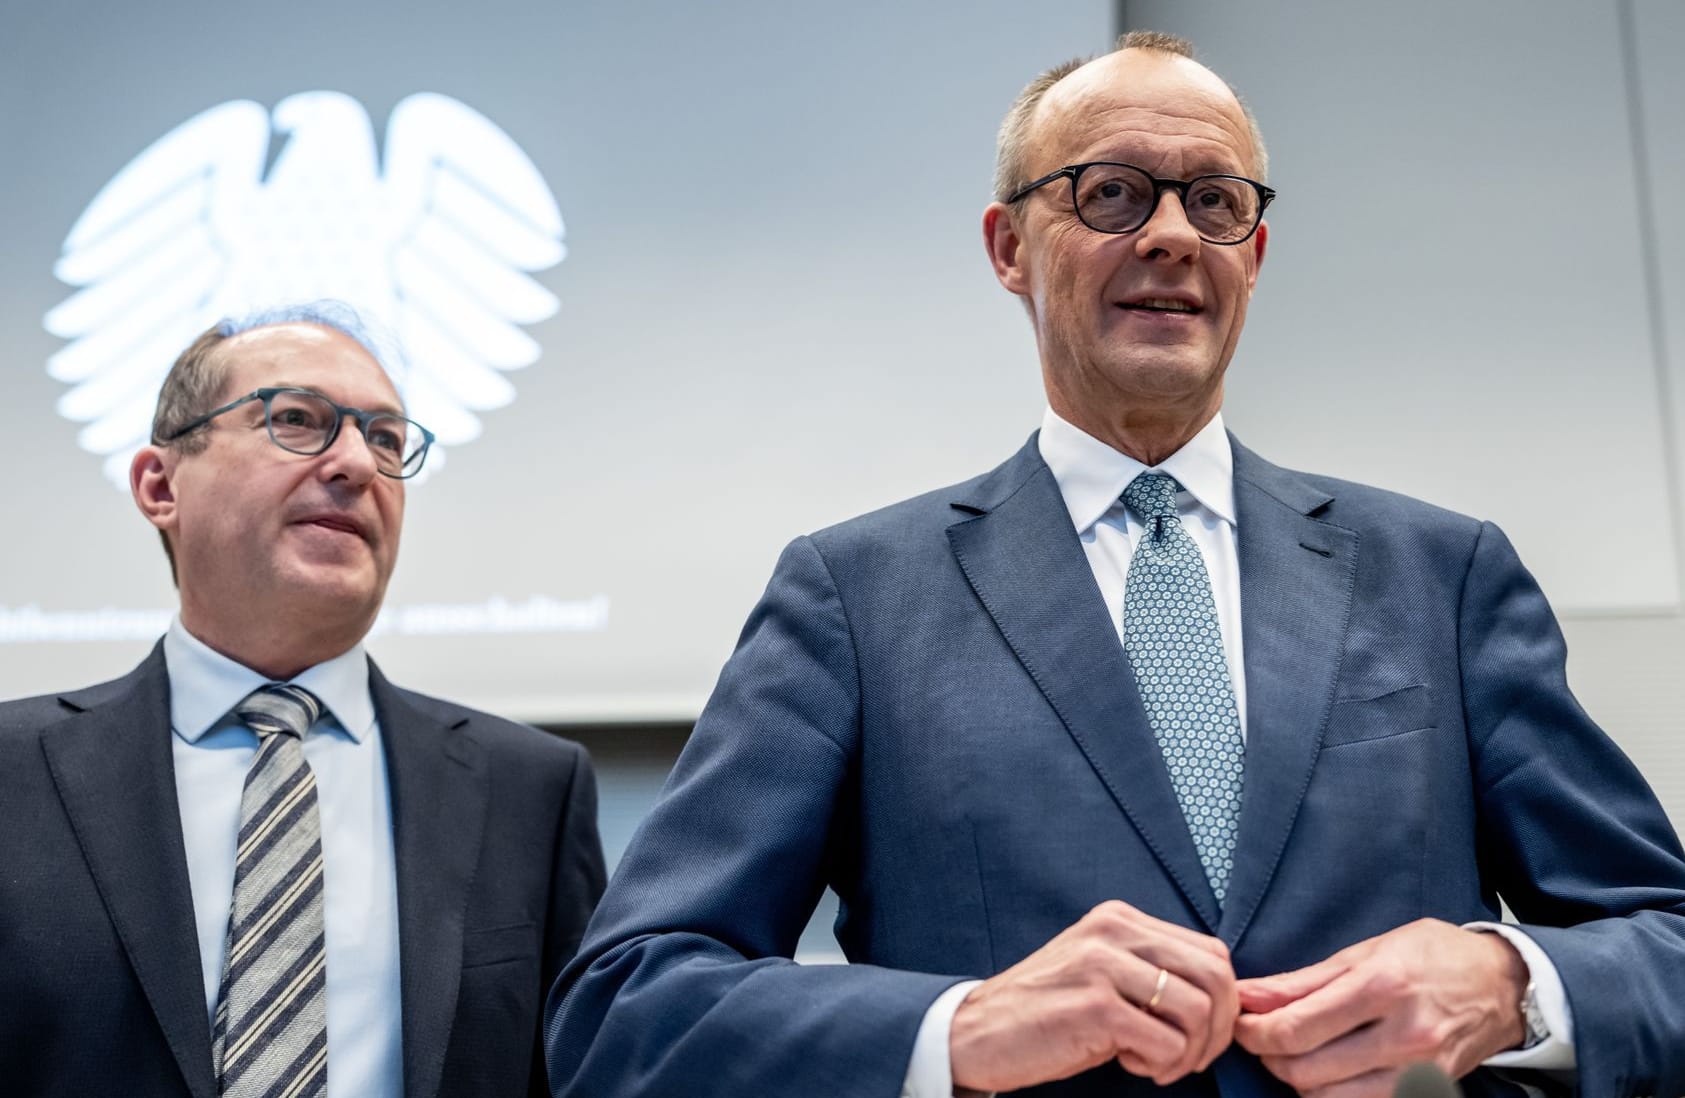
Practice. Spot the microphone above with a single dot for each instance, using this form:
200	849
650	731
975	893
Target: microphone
1425	1081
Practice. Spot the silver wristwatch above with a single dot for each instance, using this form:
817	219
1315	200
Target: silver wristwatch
1533	1017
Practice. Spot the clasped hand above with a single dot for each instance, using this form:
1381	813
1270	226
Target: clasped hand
1347	1027
1079	1001
1343	1028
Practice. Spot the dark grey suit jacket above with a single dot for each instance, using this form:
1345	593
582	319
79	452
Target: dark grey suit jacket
930	712
498	866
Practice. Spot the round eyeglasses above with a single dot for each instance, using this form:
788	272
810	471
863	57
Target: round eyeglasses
301	421
1120	198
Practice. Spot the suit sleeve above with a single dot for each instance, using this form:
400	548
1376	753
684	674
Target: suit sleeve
1572	836
684	983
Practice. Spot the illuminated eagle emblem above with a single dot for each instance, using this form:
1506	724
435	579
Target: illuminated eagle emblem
432	243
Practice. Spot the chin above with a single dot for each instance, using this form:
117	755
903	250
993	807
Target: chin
1167	378
333	587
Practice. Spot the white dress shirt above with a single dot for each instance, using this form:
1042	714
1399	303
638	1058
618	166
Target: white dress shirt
1091	478
212	751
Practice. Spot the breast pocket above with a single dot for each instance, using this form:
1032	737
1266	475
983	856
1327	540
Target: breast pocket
496	945
1359	853
1360	720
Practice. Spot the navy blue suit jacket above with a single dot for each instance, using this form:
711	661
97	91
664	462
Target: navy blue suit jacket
930	712
498	865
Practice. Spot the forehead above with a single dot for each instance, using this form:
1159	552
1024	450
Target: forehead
307	355
1168	113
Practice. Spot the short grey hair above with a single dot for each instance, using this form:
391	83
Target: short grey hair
1011	174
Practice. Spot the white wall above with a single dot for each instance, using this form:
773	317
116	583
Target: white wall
1475	293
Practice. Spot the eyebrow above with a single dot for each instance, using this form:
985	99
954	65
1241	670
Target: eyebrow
382	408
1192	171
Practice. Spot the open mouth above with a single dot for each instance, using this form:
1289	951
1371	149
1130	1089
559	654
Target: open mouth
1161	305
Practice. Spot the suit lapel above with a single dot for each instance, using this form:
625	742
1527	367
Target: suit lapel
1296	579
1022	558
438	810
112	765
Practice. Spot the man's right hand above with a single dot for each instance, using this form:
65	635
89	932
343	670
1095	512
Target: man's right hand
1081	999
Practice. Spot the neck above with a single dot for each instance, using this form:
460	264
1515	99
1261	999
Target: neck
277	650
1147	435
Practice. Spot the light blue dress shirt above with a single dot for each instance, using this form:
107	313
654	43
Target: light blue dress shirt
212	752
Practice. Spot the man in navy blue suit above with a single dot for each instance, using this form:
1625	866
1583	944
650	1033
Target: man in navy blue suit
1140	762
253	865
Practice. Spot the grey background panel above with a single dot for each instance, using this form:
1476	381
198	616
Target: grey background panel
775	311
1656	81
1626	672
1454	301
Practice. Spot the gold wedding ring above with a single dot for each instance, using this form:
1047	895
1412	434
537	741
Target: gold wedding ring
1158	990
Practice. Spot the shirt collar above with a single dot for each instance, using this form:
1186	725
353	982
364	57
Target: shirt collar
206	685
1091	475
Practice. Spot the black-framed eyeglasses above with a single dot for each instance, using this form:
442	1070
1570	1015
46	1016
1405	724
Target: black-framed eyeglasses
1120	198
301	421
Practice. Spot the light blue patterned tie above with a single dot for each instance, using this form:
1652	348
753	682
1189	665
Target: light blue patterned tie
1175	647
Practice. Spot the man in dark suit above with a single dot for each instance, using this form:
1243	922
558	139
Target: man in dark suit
253	865
1139	761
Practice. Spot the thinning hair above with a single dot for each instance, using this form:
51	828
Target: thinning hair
1012	174
198	378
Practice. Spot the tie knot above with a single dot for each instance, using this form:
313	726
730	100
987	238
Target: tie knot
279	707
1151	496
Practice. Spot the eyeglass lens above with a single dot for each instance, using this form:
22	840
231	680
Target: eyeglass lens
1115	198
303	423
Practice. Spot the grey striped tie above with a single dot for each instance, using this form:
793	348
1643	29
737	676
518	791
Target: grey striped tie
270	1038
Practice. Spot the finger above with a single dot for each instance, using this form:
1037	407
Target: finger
1221	1034
1256	998
1174	1004
1208	974
1354	1056
1206	1009
1266	993
1373	1084
1193	963
1180	1004
1124	916
1390	1044
1123	931
1324	1015
1134	1064
1155	1047
1213	977
1206	1012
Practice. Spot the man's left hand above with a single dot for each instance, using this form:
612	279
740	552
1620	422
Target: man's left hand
1348	1026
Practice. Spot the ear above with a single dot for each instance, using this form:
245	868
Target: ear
149	484
1006	248
1259	242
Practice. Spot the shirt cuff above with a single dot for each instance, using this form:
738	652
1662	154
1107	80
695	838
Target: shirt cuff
930	1072
1556	1051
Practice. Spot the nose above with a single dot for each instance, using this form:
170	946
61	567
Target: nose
1167	234
349	458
